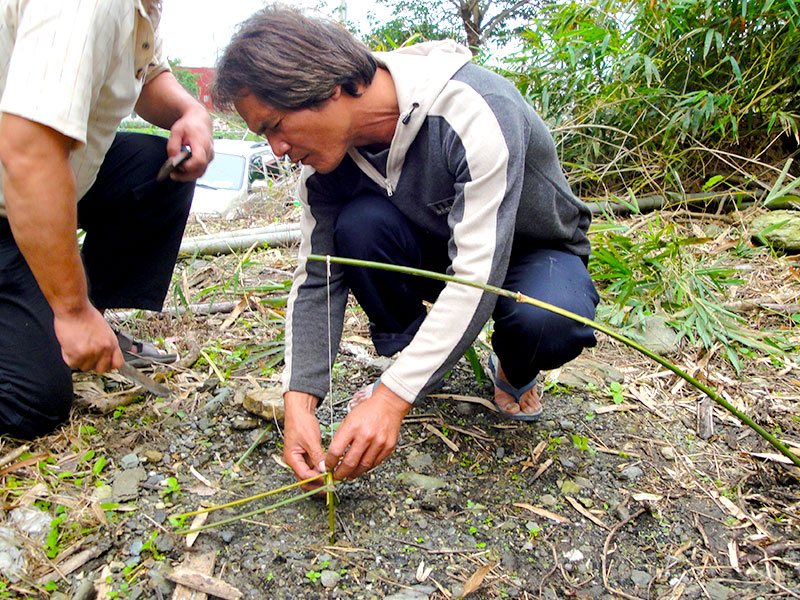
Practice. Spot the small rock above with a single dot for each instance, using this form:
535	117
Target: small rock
419	460
667	452
509	560
465	409
782	229
584	483
574	556
569	488
136	547
548	500
244	423
153	456
421	481
129	461
102	492
226	535
266	403
126	483
329	578
717	591
567	462
418	592
657	336
631	473
500	452
640	578
621	512
85	590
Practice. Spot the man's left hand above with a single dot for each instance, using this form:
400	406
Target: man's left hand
370	431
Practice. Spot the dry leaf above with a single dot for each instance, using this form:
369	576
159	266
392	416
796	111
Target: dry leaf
474	582
579	507
542	512
422	571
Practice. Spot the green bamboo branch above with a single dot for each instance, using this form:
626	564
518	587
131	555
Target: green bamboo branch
331	500
520	297
252	513
249	498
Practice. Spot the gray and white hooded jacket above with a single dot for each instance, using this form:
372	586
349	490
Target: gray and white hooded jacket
470	162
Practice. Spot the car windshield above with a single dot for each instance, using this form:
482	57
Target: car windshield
225	172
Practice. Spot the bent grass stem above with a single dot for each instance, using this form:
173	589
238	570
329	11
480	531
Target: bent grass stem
520	297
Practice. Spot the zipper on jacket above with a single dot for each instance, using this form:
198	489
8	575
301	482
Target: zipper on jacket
389	188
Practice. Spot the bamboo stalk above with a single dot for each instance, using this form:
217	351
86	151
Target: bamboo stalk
331	499
519	297
250	498
252	513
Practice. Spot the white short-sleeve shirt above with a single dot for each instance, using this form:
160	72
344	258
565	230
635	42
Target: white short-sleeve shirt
78	67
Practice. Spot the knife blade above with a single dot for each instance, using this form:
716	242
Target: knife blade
143	380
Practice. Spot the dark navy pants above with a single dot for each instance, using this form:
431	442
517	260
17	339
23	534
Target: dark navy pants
134	227
526	339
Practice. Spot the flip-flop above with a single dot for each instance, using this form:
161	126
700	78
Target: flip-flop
517	393
141	354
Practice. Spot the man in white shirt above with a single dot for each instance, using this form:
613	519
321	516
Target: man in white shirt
70	71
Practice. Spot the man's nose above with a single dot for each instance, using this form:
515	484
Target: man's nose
279	146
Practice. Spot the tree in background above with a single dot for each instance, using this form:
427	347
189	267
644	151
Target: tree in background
472	22
185	77
648	96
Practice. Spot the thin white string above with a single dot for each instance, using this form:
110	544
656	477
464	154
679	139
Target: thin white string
330	342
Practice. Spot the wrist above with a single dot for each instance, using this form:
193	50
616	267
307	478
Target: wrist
299	401
394	402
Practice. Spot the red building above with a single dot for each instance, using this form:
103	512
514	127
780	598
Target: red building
204	80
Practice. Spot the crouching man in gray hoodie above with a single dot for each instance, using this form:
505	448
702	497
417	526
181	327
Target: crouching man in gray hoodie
414	157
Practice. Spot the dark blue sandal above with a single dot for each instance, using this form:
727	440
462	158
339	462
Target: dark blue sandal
517	393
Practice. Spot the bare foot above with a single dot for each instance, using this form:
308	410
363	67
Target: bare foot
529	404
361	395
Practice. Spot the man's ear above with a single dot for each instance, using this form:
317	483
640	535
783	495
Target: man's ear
337	93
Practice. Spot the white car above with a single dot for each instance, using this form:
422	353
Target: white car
229	178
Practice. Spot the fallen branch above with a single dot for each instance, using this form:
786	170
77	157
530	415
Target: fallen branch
655	202
237	241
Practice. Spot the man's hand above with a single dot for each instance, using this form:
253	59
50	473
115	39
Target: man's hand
87	342
302	446
164	102
193	129
370	431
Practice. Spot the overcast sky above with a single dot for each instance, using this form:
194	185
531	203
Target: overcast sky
196	31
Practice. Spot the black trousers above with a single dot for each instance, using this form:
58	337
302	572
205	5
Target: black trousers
526	339
134	227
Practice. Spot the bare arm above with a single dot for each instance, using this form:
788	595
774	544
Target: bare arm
39	190
165	103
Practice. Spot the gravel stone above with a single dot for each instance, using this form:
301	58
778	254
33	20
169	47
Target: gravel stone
631	473
329	579
129	461
641	578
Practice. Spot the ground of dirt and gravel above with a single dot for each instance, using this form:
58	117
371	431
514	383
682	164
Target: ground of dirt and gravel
613	493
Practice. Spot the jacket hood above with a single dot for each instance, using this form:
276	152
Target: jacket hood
419	72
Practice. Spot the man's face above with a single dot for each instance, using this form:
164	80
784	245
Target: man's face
311	136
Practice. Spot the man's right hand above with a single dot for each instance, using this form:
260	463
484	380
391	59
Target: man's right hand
87	341
302	443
